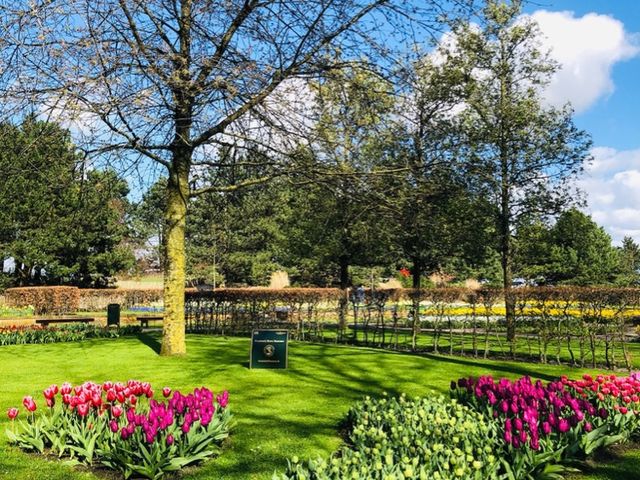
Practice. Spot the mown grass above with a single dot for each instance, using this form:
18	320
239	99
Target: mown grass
279	413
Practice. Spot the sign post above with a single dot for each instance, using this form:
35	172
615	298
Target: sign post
269	349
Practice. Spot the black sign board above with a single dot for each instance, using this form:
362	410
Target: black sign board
269	349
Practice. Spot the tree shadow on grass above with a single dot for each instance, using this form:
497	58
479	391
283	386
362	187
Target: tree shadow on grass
150	340
494	366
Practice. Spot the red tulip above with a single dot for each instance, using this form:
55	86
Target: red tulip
29	403
116	411
111	395
49	393
12	413
166	391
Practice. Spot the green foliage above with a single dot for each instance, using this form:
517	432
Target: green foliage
16	312
575	250
233	237
398	438
629	262
147	218
27	334
60	222
335	218
525	153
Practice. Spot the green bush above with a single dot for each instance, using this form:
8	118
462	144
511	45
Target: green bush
397	438
21	335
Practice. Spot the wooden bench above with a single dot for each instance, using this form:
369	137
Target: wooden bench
47	321
145	319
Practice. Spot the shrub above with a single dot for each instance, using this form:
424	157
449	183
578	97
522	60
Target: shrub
398	438
25	334
16	312
123	427
45	300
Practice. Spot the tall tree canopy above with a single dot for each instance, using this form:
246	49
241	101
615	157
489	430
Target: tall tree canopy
167	79
527	153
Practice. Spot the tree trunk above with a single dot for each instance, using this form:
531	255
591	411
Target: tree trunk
344	298
507	273
416	274
344	273
173	330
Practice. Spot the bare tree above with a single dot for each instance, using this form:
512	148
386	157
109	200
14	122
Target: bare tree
166	79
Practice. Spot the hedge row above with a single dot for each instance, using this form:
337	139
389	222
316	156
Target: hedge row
94	299
65	300
266	295
45	300
603	295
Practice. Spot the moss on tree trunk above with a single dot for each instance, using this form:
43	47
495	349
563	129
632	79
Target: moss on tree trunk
173	334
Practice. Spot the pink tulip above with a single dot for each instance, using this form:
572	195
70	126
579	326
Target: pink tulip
563	425
12	413
223	399
83	409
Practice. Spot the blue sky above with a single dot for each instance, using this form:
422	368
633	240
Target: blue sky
598	44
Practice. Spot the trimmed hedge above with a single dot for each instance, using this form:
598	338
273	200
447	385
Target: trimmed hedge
95	299
268	295
45	300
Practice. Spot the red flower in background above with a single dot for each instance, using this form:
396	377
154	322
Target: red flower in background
405	272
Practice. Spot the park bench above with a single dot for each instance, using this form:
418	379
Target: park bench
70	319
145	319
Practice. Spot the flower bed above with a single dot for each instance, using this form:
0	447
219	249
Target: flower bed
546	426
493	429
397	438
122	426
24	334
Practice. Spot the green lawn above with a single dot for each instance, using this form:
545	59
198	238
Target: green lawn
278	413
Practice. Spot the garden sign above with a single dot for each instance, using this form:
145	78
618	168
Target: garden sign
269	349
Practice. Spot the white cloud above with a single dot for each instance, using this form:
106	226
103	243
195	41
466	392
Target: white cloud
587	48
612	185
